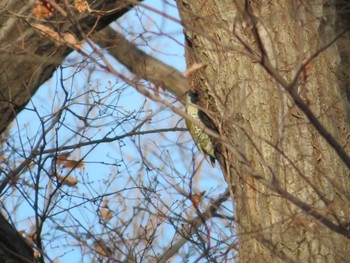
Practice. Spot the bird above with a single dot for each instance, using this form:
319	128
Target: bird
202	140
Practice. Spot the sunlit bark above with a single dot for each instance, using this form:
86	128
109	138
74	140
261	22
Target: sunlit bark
267	64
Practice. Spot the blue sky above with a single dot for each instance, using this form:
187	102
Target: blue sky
120	161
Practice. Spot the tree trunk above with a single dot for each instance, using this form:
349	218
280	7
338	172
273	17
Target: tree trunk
27	60
265	65
28	57
13	247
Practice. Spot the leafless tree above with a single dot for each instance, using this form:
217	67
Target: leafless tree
273	77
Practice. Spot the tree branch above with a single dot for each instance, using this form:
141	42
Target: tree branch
141	64
27	59
192	227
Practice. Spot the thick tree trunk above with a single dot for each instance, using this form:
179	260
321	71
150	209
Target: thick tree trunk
13	247
291	187
28	58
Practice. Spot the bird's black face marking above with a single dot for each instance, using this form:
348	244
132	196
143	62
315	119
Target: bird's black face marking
193	96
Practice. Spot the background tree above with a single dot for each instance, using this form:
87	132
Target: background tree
272	76
135	201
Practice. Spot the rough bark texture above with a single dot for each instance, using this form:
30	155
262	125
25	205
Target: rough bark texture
28	59
291	188
13	247
141	64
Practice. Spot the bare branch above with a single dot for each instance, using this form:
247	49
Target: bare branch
192	227
142	65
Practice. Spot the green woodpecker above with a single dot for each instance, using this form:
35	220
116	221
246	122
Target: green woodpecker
201	139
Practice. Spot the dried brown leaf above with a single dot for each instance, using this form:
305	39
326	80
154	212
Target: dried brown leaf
197	198
81	5
65	38
106	214
102	249
73	164
67	180
62	157
42	9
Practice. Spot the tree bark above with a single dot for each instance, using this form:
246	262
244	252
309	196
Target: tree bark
141	64
273	79
291	187
28	59
13	247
